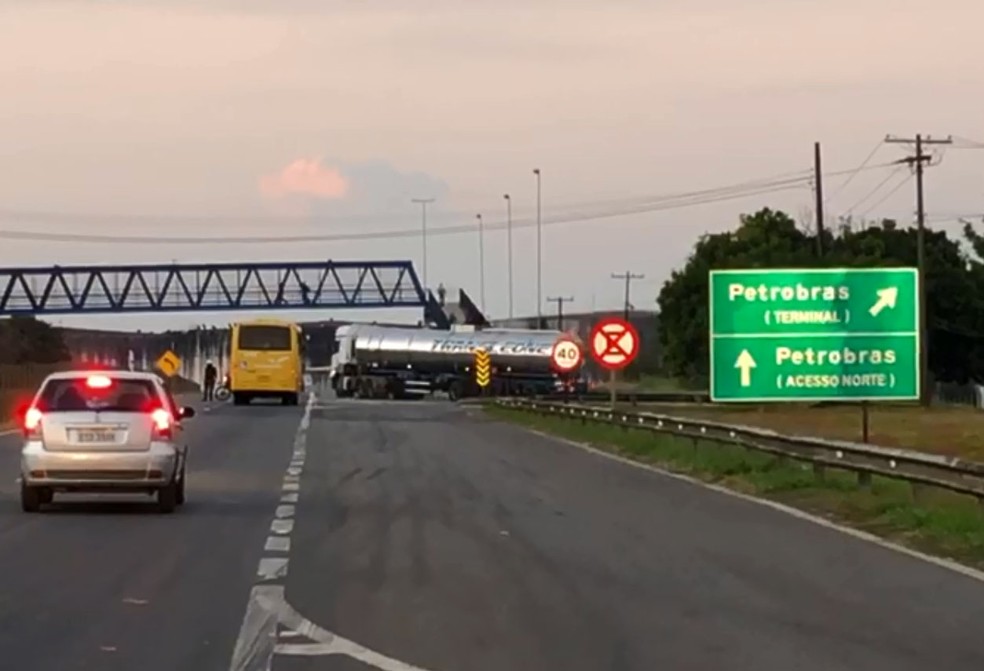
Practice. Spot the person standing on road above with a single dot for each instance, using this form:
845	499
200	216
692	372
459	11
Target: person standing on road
208	388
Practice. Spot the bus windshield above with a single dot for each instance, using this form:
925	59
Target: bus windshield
264	338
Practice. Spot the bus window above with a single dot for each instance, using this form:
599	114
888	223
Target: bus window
264	338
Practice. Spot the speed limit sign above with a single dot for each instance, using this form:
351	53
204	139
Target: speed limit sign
566	355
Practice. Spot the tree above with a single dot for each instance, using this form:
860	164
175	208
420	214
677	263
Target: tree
29	340
954	284
765	239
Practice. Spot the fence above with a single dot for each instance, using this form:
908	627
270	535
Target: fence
916	468
18	381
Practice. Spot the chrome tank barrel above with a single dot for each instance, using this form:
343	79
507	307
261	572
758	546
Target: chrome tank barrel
517	350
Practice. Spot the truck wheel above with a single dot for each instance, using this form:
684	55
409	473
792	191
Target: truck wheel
454	391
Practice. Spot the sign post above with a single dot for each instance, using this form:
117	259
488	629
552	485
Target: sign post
566	357
169	363
814	335
614	345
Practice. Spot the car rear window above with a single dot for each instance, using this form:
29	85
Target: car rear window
76	395
264	338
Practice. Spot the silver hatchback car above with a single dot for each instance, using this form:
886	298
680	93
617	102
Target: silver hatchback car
103	431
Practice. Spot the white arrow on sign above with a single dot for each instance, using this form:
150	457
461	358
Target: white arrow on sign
745	363
886	299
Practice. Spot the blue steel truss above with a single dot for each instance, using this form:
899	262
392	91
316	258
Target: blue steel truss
209	287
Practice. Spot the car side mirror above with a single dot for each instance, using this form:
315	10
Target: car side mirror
186	413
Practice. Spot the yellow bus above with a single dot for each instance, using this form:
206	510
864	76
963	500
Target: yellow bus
266	360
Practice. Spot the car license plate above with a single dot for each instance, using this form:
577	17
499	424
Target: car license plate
93	436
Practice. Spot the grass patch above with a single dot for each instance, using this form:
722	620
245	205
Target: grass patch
950	430
935	521
652	383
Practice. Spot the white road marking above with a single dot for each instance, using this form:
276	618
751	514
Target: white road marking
277	544
268	608
8	432
271	568
257	636
795	512
282	526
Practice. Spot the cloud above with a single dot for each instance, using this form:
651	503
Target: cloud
306	177
360	193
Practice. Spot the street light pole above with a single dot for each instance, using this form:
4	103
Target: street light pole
510	253
539	254
423	215
481	259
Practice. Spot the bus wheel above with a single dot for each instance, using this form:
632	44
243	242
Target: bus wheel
289	399
238	398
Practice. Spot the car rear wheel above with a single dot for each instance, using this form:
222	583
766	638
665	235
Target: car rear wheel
31	498
167	497
180	497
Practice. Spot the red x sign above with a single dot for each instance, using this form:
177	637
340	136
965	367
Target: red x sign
614	343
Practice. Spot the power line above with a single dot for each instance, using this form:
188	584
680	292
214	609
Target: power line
628	207
560	300
628	276
868	195
377	235
889	194
854	173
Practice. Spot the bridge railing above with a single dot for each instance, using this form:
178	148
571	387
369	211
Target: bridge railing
917	468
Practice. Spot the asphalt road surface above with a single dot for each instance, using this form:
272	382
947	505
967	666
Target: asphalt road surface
352	535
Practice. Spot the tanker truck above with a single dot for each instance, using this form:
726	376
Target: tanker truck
395	362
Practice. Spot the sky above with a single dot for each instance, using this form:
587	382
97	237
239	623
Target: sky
251	118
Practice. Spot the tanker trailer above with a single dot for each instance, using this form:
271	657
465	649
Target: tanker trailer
396	362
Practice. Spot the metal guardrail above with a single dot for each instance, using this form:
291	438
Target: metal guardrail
635	397
917	468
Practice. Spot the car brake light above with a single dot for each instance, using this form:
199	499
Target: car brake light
32	422
162	422
98	382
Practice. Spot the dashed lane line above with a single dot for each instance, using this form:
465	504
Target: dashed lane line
257	636
267	610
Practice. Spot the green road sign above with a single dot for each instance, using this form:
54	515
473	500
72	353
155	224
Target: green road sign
814	334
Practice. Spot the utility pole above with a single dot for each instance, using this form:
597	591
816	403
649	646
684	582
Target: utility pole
918	160
481	259
539	255
628	277
510	253
818	179
423	202
560	300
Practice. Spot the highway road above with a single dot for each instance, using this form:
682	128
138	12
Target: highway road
425	536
